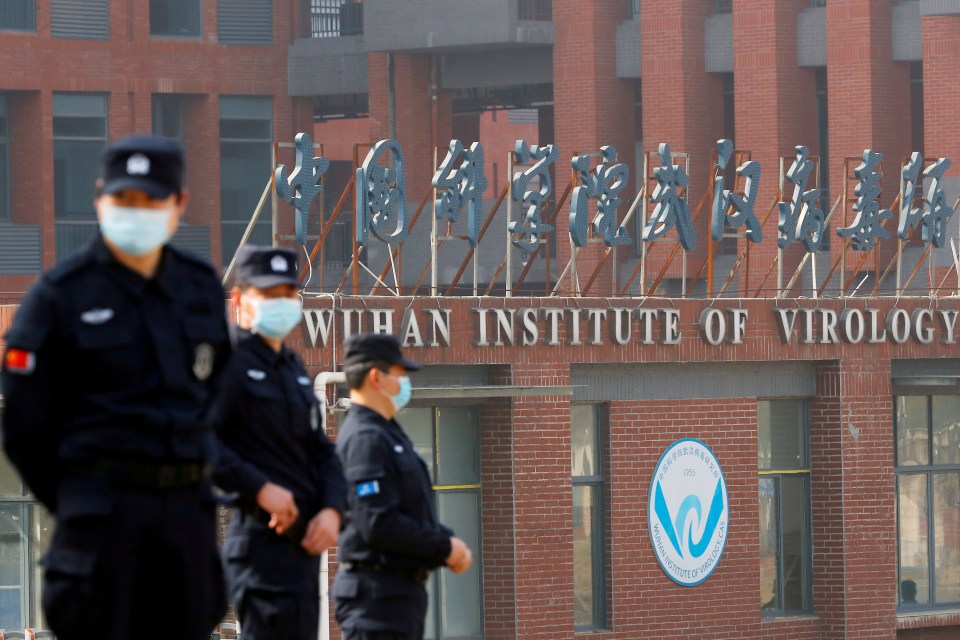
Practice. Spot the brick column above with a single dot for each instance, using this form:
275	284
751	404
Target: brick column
543	503
497	509
202	148
31	165
682	103
868	104
775	111
419	116
941	91
592	108
854	550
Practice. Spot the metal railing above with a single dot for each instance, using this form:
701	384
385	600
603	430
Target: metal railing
535	9
333	18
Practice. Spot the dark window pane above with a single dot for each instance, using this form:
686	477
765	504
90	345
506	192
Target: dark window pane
946	429
245	169
769	544
75	172
913	536
781	435
796	546
11	578
78	127
418	425
584	440
245	129
913	431
460	594
18	15
458	458
79	104
586	555
946	535
175	18
168	116
4	180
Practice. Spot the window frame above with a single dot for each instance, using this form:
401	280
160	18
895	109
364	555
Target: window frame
30	29
928	471
178	36
435	585
803	471
6	215
600	528
31	612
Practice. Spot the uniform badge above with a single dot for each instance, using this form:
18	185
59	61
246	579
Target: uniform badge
304	380
398	448
256	374
96	316
279	264
370	488
138	165
203	361
20	361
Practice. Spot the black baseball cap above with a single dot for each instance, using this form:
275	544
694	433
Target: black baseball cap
146	163
365	348
265	267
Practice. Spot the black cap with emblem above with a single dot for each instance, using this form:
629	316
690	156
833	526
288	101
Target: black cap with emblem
146	163
364	348
265	267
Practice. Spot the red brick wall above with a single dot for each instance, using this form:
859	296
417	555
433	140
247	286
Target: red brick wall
868	101
941	66
682	103
592	108
775	111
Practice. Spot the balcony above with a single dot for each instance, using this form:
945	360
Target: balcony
451	25
332	18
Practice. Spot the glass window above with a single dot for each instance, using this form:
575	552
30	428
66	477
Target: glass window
25	532
168	116
589	539
179	18
928	500
4	160
18	15
447	440
79	136
246	167
784	503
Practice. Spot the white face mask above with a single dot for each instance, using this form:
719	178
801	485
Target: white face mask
135	230
275	317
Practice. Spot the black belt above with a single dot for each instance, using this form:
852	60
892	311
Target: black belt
144	475
420	576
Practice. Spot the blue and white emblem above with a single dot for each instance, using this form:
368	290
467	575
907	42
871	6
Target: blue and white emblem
688	512
369	488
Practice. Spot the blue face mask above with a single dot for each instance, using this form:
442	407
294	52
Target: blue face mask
403	396
135	230
276	317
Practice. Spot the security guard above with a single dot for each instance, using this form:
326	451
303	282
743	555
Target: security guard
109	378
275	456
392	539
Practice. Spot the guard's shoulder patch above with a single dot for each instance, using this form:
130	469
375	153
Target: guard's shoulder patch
368	488
20	361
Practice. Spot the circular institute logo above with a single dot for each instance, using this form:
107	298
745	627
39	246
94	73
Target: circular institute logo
688	512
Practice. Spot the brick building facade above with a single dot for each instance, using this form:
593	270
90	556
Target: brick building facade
832	405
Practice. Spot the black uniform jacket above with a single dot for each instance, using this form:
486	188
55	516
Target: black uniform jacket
269	430
108	365
391	518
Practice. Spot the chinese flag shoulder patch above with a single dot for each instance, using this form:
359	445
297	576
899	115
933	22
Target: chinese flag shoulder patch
20	361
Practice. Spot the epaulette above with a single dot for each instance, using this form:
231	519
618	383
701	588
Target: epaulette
70	265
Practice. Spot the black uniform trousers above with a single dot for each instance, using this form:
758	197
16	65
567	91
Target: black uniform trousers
375	605
274	583
133	563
